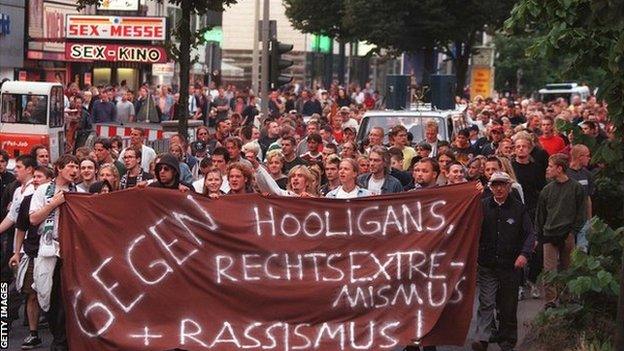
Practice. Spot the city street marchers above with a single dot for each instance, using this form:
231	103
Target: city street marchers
224	175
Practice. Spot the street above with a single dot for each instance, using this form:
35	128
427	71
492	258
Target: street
527	310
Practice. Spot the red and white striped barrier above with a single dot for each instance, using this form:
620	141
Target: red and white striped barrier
108	131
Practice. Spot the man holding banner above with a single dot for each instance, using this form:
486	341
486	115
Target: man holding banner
44	212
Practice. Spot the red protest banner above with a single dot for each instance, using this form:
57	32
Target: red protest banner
156	269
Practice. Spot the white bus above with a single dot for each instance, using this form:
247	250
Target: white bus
32	113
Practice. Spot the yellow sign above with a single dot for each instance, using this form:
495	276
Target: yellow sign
481	82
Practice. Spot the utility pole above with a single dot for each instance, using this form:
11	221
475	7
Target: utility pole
265	60
255	59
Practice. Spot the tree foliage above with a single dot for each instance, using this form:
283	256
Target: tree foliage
180	50
591	34
450	26
318	16
535	72
589	291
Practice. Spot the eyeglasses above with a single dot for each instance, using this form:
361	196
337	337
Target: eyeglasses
128	157
165	168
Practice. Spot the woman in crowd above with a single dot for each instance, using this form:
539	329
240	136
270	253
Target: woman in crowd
108	172
456	173
274	163
348	189
212	183
444	160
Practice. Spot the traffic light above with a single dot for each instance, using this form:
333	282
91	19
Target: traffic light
277	64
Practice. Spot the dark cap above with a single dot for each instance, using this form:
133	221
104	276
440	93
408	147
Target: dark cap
198	146
425	146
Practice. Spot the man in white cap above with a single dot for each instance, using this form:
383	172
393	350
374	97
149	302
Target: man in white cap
347	121
506	243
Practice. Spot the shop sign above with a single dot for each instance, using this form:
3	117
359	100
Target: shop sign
54	25
481	82
117	28
114	53
118	5
163	69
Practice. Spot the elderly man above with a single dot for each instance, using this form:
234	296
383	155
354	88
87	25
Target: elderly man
507	240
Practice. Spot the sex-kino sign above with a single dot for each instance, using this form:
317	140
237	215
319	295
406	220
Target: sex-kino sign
116	27
156	269
113	53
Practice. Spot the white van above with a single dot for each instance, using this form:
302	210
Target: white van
32	113
565	90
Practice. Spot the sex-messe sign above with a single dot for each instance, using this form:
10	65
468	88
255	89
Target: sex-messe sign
112	52
155	269
116	27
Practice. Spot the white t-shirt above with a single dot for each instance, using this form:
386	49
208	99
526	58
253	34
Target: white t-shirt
198	185
19	195
341	194
39	200
374	185
147	156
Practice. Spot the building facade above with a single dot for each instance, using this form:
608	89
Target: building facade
12	14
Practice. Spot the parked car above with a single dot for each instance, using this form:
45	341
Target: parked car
565	90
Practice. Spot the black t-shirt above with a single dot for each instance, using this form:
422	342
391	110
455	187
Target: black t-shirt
532	179
132	181
31	241
289	165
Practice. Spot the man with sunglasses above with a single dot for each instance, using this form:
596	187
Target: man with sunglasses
167	174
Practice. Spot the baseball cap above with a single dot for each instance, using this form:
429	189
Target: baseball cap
345	109
198	146
500	177
349	128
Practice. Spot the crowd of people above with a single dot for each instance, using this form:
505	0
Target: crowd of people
536	182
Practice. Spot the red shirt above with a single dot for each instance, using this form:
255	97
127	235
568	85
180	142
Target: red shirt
553	144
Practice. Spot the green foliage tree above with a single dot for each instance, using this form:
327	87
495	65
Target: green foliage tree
318	16
186	39
535	72
451	26
591	34
589	290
